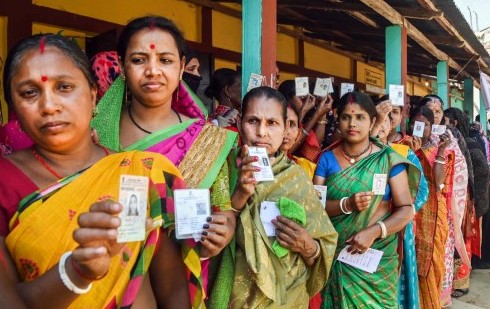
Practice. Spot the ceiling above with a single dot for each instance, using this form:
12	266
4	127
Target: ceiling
436	30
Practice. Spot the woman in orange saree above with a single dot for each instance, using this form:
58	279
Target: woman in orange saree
431	222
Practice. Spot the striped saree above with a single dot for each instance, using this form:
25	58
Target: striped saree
349	287
432	232
42	228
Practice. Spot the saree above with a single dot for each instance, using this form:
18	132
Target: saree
42	228
455	193
408	290
262	280
432	232
349	287
205	154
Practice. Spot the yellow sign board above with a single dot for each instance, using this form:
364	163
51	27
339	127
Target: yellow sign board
370	75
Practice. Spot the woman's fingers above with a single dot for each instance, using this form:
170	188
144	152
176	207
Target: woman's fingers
107	206
87	254
85	236
98	220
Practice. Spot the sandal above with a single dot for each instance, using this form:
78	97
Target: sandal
457	293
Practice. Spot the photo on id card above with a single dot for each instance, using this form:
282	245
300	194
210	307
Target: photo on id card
133	195
192	208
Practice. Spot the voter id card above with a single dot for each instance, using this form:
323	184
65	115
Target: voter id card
133	195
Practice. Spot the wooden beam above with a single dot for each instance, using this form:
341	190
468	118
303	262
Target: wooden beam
332	6
445	40
451	30
388	12
217	7
364	19
426	14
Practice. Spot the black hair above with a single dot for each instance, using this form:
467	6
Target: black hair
381	99
455	114
288	89
38	41
150	22
424	111
429	98
268	93
189	54
359	98
221	79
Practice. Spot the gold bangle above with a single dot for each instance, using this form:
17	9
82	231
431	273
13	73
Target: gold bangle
323	122
317	252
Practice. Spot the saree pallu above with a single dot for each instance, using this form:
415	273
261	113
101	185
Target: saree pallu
408	291
42	228
205	154
431	233
456	205
262	280
349	287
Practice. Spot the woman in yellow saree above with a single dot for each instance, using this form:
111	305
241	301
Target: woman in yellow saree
61	238
362	219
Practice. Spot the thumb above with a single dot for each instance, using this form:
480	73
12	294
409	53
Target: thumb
349	240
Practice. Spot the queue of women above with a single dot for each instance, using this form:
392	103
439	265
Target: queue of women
140	116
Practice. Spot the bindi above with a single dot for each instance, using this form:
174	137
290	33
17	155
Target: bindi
44	78
152	46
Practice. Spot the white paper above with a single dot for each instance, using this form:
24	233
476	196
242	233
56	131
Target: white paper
379	184
133	195
265	173
323	87
345	88
192	207
302	88
438	129
418	128
268	212
254	81
367	261
322	194
397	95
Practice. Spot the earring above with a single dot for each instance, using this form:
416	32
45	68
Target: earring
95	111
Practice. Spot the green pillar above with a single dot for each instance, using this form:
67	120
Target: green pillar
442	82
468	98
396	60
483	114
395	56
251	40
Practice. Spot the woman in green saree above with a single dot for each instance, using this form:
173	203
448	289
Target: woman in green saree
264	278
362	219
